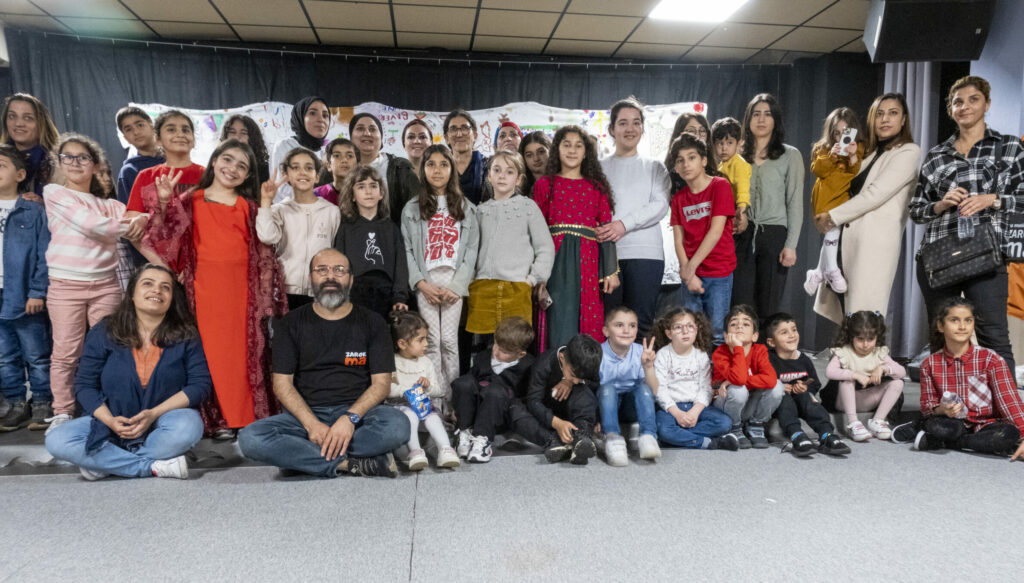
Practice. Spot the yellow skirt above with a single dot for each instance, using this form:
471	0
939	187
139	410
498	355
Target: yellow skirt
493	300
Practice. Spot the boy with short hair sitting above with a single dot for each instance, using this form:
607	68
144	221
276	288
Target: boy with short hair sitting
801	383
622	375
562	396
489	397
749	391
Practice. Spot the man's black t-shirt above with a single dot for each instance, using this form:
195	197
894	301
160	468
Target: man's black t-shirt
332	360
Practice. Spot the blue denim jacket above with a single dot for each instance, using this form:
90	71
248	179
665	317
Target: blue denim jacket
26	238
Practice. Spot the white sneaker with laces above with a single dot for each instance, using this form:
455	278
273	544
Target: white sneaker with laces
481	451
879	428
447	458
417	460
649	448
836	281
91	475
56	421
465	442
615	450
813	280
857	432
176	467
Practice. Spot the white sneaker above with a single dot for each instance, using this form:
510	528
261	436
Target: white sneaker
879	428
836	281
56	421
417	460
649	449
91	475
813	280
857	432
465	442
447	458
481	451
176	467
615	450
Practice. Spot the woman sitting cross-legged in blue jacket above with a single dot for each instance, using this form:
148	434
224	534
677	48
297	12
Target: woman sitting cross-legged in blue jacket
140	378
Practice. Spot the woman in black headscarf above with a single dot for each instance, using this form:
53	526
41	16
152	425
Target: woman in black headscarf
311	120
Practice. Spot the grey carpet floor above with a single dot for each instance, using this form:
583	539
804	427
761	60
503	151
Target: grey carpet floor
885	513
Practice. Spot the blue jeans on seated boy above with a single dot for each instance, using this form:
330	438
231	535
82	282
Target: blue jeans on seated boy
172	434
714	303
282	441
754	407
711	423
25	343
610	398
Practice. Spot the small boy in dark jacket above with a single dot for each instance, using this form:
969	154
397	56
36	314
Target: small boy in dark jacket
489	398
796	373
563	396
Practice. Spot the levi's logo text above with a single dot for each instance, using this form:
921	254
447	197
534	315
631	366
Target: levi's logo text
697	211
355	359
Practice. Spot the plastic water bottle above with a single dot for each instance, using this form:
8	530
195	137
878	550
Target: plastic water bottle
952	399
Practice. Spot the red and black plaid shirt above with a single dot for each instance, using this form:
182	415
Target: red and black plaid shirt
942	372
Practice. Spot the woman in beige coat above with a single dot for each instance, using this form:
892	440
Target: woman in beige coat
876	214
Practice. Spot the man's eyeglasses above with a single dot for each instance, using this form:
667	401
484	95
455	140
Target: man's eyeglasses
325	270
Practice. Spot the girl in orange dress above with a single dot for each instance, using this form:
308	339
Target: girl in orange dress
233	280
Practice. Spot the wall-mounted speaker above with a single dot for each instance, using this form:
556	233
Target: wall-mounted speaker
927	30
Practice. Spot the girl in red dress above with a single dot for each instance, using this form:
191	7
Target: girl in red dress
574	197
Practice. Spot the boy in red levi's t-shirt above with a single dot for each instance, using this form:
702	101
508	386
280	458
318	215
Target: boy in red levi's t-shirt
702	216
748	390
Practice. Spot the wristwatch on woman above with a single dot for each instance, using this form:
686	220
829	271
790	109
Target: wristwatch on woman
998	204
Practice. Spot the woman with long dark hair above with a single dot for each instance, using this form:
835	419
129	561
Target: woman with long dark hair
534	149
141	375
27	126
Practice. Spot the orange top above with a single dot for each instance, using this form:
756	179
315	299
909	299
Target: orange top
1015	302
145	362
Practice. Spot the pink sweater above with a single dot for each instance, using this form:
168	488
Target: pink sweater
83	234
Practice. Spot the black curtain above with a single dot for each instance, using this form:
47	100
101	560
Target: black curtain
84	82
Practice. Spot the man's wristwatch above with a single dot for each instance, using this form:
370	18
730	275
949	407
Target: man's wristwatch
354	418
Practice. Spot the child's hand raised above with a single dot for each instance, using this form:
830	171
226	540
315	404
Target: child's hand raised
165	185
648	355
269	189
732	340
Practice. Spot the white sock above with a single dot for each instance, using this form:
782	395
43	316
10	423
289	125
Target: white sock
829	259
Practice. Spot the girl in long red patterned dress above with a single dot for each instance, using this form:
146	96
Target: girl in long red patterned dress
233	280
574	197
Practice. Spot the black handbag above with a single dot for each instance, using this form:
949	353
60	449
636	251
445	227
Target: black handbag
951	260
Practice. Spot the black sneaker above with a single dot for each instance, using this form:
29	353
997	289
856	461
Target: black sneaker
755	431
742	439
832	445
379	465
925	442
556	451
802	445
17	417
583	448
904	433
728	442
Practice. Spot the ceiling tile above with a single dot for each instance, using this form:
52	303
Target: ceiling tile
463	3
844	14
778	11
275	34
434	20
854	46
508	44
538	5
117	28
817	40
666	31
78	8
357	38
718	55
651	51
349	15
607	28
35	22
192	30
613	7
176	11
284	13
745	35
516	23
581	47
418	40
19	7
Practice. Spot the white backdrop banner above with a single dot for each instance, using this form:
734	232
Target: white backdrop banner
274	117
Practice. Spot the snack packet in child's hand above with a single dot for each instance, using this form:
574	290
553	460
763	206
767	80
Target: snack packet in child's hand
418	400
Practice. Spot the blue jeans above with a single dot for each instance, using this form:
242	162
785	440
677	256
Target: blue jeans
172	434
641	283
714	302
283	442
25	342
711	423
610	396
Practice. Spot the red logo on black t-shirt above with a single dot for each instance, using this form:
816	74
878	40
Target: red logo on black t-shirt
355	359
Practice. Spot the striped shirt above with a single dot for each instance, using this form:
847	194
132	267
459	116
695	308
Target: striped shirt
978	173
84	231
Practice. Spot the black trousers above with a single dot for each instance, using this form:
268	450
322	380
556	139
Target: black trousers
988	293
997	438
803	406
639	289
373	291
491	408
759	278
